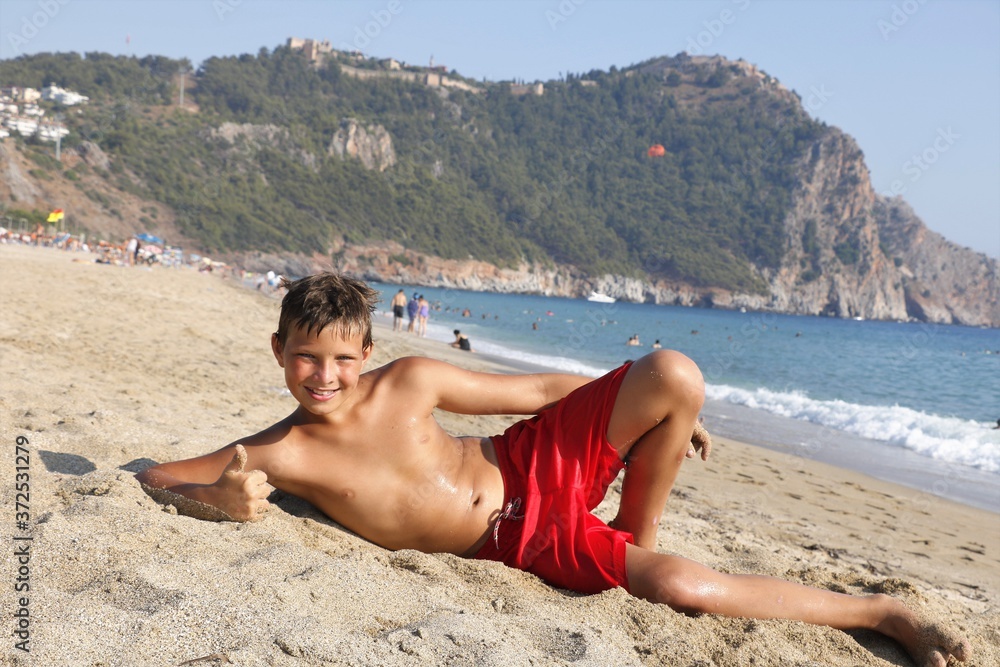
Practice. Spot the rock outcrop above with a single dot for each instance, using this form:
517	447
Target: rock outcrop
942	282
833	262
245	139
22	189
92	154
371	145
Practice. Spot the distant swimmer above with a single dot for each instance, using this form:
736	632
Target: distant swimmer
998	425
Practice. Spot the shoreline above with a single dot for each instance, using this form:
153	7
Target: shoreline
108	370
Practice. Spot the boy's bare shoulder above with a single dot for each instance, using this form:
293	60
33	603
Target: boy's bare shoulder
273	434
420	375
408	368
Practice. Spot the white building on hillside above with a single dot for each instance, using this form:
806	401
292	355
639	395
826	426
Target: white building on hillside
54	93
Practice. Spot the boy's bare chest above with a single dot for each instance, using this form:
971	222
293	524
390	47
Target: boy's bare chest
373	456
387	485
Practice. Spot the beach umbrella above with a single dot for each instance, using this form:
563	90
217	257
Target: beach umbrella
149	238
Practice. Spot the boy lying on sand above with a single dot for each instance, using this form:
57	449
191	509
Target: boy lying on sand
366	450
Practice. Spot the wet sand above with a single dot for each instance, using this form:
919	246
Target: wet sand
108	369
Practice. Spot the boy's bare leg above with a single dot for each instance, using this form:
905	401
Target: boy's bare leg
656	410
690	587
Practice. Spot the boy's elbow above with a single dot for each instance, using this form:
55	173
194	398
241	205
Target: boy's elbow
143	476
149	476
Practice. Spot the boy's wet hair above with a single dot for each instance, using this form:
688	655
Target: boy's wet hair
328	299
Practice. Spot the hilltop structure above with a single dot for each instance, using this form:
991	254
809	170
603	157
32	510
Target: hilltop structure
318	53
313	50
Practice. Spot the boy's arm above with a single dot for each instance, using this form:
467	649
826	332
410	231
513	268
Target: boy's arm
469	392
216	480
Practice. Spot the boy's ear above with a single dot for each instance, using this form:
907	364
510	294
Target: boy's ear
276	348
366	354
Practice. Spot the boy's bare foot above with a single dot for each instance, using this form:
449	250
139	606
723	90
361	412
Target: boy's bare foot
929	644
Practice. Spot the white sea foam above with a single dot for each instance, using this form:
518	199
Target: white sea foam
556	363
961	441
957	440
564	364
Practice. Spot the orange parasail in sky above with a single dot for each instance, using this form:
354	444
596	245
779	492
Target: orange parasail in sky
657	150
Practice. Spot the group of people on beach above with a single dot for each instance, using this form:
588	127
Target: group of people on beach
417	309
128	252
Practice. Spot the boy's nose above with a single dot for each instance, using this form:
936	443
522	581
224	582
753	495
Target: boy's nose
324	372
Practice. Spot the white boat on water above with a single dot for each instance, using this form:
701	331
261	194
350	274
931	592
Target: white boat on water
598	297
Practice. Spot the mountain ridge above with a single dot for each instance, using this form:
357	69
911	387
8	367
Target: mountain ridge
754	205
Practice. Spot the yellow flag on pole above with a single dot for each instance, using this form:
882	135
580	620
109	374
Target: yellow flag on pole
56	215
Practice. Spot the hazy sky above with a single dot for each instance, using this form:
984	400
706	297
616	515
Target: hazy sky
915	82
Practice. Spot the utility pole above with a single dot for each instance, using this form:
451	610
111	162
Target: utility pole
59	118
182	72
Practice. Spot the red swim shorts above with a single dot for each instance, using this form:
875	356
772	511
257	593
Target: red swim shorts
556	468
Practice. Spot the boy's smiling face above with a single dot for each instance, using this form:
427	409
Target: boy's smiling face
321	369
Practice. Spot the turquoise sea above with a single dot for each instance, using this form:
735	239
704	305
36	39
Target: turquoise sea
911	403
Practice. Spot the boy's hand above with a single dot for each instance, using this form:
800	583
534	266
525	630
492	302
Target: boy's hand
243	493
700	441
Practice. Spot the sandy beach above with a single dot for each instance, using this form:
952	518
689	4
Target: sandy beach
107	370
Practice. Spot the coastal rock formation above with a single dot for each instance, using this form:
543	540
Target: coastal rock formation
845	250
849	252
92	154
371	145
834	263
942	282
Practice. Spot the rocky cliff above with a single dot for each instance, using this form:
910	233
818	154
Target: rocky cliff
371	145
833	262
942	282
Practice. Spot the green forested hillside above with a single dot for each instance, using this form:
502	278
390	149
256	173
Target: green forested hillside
563	177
